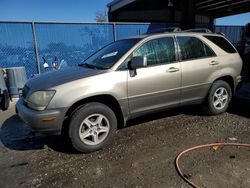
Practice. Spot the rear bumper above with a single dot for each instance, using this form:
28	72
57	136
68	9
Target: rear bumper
47	121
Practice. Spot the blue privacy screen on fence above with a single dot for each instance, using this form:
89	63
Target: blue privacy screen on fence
126	30
233	33
17	46
71	42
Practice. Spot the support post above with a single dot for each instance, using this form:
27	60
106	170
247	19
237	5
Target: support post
35	48
188	14
114	32
211	23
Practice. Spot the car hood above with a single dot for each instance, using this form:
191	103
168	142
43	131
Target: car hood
59	77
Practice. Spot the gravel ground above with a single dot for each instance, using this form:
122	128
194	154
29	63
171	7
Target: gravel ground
141	155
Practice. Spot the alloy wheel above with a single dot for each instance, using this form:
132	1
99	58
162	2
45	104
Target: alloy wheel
220	98
94	129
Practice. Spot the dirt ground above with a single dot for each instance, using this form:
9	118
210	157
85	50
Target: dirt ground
141	155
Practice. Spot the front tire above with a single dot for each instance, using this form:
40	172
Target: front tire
218	99
92	127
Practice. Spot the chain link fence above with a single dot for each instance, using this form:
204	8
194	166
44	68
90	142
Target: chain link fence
28	44
17	46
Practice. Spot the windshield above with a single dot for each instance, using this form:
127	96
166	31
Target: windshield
110	54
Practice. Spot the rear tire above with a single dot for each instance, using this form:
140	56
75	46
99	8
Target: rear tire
92	127
218	99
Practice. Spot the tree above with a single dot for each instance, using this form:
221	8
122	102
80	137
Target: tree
101	16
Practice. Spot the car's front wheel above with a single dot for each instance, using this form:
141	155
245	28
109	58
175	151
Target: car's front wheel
92	127
219	97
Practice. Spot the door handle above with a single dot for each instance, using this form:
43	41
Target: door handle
173	69
214	63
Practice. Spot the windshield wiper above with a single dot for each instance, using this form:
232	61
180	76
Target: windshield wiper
87	65
90	66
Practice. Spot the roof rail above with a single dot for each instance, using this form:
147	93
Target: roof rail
199	30
220	33
164	30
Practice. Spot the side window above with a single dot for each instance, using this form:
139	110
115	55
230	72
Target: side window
158	51
222	43
193	48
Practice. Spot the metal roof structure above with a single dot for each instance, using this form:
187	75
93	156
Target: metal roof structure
186	13
215	8
116	4
221	8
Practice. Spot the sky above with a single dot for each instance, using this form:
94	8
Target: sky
240	19
73	11
51	10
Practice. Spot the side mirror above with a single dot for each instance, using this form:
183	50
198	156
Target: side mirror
137	62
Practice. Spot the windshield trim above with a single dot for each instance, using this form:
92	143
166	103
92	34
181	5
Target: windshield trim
82	62
93	54
90	66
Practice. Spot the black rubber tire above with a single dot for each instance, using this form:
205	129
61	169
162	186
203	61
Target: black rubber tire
78	117
208	105
5	100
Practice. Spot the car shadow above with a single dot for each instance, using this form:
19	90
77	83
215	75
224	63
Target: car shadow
240	107
193	110
241	102
16	135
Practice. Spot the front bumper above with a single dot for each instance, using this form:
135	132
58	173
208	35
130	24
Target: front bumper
47	121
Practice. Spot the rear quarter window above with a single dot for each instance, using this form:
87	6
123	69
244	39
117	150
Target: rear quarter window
222	43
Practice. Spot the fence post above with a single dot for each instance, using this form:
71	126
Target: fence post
114	31
35	47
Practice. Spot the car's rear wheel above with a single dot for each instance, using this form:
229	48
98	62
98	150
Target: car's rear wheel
218	98
92	127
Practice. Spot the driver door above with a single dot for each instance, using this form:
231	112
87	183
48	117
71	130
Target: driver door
156	86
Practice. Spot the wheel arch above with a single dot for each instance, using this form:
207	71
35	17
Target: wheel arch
207	101
229	79
105	99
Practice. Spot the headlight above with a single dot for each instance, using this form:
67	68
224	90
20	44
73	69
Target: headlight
40	99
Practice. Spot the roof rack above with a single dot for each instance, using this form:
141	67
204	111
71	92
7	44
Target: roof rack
199	30
177	29
220	33
164	30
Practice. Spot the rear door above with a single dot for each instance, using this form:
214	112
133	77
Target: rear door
198	63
